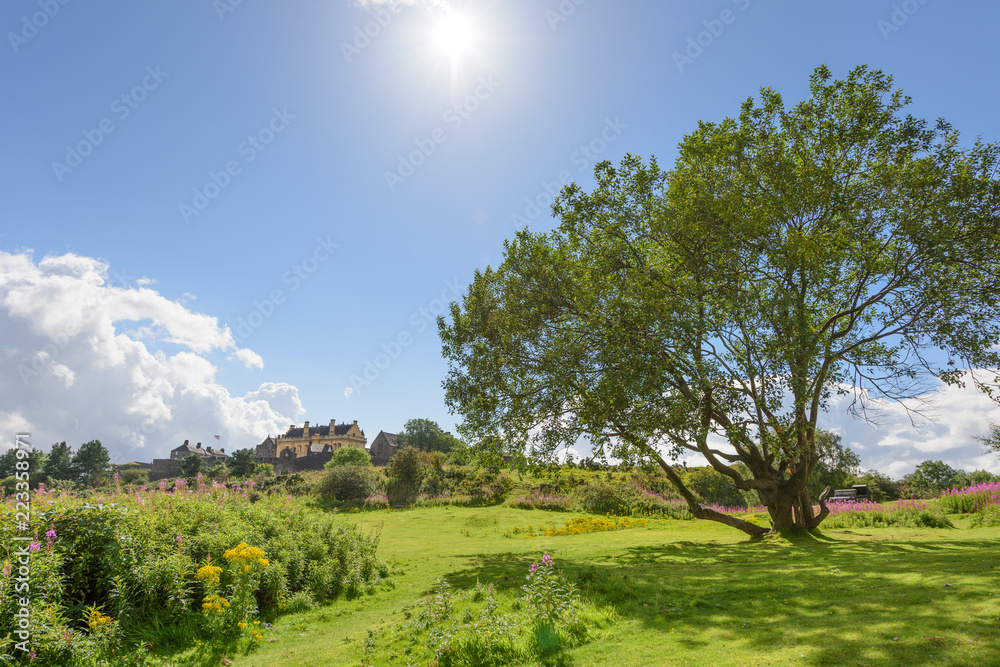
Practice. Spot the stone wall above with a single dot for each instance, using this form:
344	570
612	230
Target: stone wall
301	464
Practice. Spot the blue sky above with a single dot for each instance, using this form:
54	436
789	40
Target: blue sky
257	200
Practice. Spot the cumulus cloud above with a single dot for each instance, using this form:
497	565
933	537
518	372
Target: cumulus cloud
83	358
943	424
952	418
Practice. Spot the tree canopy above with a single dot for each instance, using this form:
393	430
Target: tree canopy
837	467
791	254
59	464
91	462
191	466
242	463
427	436
349	456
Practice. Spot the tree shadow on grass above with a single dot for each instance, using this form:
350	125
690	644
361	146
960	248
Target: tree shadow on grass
881	601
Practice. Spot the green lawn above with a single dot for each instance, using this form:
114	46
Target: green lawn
681	593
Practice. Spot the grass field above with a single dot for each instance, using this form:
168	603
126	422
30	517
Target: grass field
677	593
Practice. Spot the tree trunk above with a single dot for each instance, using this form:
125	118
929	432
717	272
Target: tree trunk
792	509
699	512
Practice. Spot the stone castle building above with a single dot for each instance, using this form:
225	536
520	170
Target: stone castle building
161	468
308	447
383	447
210	455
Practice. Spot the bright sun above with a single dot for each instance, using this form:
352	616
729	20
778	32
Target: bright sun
453	35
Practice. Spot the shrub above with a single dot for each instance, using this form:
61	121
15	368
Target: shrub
349	456
347	483
135	562
903	513
713	487
880	486
599	497
134	477
405	470
262	471
648	503
542	501
971	499
987	517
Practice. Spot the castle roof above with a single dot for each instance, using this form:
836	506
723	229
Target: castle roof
319	431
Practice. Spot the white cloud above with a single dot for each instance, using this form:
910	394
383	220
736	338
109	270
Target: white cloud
895	446
953	418
81	360
348	391
567	451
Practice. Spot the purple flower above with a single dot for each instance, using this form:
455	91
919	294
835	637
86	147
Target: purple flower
51	534
534	566
546	560
35	546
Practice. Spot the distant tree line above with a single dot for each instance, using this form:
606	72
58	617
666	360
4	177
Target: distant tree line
90	466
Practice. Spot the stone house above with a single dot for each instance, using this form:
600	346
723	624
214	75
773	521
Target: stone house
161	468
383	447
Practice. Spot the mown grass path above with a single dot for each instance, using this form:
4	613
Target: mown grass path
688	592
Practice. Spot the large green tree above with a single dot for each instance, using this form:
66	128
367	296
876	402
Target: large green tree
791	254
838	466
36	461
91	462
349	456
427	436
191	466
930	479
242	463
59	464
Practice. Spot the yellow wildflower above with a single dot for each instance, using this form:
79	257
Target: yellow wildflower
209	574
214	604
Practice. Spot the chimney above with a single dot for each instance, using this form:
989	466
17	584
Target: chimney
355	422
223	450
305	430
199	445
185	442
333	425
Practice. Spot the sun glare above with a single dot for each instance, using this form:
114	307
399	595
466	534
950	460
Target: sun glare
454	35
